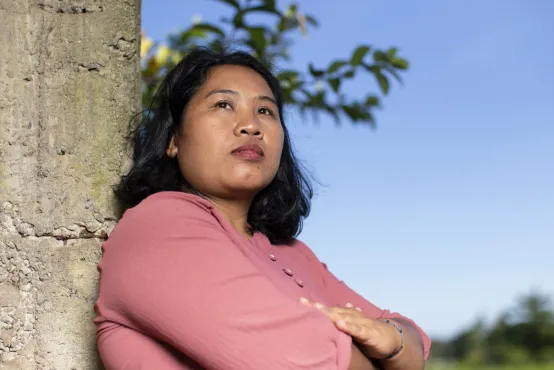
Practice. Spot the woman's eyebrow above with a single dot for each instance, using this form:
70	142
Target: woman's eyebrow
221	91
267	98
233	92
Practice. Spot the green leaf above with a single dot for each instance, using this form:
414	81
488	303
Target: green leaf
395	74
257	37
400	63
264	9
217	45
351	112
306	93
291	11
335	84
197	32
210	28
372	101
269	3
368	117
286	24
383	82
333	112
311	20
391	53
359	55
296	85
282	25
349	74
379	56
373	68
186	37
288	75
315	72
233	3
238	20
335	66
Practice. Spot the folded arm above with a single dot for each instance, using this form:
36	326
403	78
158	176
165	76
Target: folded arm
170	273
417	343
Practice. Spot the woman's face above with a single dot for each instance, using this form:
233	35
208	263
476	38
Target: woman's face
231	136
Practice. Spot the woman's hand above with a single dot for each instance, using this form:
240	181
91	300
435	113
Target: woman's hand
377	339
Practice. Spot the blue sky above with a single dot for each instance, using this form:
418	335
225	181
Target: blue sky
445	212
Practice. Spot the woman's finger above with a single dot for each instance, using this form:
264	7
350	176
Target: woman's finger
352	326
378	339
349	321
347	311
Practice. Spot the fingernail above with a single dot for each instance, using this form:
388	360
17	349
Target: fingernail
319	306
341	323
349	305
359	309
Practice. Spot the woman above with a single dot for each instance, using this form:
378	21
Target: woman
203	270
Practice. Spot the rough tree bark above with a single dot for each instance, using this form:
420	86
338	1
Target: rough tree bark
69	83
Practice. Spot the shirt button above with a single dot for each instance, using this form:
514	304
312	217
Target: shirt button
299	282
288	272
272	257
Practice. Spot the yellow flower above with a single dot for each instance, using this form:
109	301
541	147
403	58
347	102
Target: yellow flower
146	44
176	58
163	54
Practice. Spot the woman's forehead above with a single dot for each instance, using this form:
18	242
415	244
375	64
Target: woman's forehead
236	78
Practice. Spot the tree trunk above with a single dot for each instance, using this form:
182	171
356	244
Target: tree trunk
69	83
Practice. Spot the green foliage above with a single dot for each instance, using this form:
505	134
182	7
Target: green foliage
319	89
522	335
444	366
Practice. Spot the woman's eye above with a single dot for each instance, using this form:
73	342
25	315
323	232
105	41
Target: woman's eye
223	105
265	111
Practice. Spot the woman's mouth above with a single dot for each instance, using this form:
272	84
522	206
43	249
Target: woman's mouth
249	152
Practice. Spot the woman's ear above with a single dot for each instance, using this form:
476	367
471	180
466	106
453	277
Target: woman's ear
172	149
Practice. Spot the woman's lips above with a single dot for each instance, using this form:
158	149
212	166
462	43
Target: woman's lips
249	152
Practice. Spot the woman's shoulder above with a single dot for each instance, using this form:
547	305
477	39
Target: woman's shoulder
164	212
168	204
173	200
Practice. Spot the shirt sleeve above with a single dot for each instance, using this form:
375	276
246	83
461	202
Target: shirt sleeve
122	348
340	294
170	272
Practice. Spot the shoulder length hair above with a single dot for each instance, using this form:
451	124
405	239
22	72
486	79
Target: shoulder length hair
277	211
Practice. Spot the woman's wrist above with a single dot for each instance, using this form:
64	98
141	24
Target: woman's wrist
409	353
400	339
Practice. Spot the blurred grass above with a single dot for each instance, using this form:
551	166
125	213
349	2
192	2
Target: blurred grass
432	366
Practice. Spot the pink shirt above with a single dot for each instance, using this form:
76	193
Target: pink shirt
180	288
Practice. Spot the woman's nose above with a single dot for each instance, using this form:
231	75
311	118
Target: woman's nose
250	127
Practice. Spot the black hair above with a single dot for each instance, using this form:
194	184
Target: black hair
277	211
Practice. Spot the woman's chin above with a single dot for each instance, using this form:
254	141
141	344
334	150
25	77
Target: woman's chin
247	186
253	179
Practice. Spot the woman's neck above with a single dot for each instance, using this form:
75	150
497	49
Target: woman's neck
236	213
